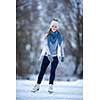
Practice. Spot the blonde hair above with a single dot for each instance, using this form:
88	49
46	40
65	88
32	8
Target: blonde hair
47	34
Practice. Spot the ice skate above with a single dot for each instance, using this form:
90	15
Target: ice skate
50	90
36	88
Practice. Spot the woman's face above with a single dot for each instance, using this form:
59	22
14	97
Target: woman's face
54	28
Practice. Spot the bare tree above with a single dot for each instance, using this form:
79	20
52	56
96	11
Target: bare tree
75	19
23	35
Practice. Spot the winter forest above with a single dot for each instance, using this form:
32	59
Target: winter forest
32	22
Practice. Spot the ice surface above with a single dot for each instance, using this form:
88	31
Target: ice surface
63	90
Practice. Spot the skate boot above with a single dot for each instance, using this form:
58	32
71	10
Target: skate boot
36	88
50	90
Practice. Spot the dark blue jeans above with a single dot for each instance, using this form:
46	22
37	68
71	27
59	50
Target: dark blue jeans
44	66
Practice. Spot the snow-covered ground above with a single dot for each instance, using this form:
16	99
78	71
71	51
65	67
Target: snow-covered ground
63	90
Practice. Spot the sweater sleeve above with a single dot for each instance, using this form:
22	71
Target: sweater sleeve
62	50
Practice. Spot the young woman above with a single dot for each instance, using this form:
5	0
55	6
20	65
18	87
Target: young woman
51	53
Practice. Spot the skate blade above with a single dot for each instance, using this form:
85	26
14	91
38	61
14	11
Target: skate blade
50	92
34	91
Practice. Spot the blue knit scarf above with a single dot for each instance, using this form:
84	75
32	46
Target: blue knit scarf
53	37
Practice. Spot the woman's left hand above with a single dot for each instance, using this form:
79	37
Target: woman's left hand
62	59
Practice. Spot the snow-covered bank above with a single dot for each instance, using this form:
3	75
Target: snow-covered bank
46	77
